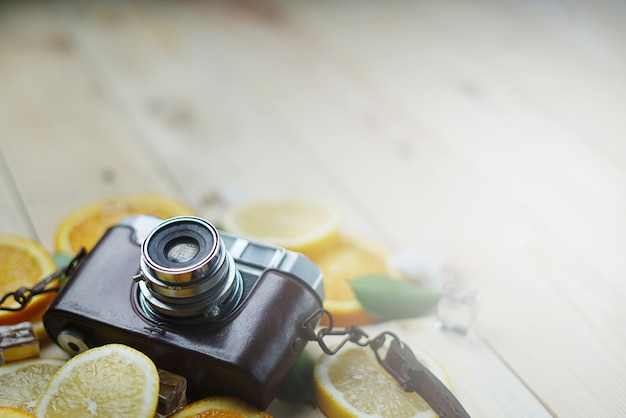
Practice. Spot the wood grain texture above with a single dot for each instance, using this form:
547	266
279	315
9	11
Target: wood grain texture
487	135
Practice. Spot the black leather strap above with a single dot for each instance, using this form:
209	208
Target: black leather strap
415	377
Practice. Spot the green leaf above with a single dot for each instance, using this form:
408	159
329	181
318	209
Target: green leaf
389	298
62	259
298	385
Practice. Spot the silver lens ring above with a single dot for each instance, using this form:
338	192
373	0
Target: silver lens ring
218	293
184	231
213	304
191	288
187	271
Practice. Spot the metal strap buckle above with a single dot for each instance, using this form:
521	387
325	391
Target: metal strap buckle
24	295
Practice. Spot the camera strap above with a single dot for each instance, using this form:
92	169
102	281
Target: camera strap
398	360
23	295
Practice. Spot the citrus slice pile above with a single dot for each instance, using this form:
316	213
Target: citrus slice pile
342	261
220	407
23	263
111	380
22	383
293	224
86	225
353	384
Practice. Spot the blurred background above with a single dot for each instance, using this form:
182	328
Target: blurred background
489	135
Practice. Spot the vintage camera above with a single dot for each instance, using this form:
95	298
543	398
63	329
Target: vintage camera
225	312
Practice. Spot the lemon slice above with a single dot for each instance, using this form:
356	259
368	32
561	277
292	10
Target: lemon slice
342	261
85	225
220	407
353	384
23	263
8	412
22	382
113	380
293	224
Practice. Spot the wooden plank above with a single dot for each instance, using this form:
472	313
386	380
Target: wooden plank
210	132
64	137
535	110
13	217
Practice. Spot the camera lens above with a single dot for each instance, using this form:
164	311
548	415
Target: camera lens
182	249
187	271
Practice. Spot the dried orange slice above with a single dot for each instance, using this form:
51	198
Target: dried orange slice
86	225
113	380
342	261
297	225
220	407
23	263
352	384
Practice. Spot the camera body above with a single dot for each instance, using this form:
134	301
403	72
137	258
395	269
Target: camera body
225	312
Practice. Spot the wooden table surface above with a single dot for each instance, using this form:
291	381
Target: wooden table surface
489	136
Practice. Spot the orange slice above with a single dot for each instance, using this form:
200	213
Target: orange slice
297	225
23	263
344	260
112	380
22	382
352	384
220	407
8	412
86	225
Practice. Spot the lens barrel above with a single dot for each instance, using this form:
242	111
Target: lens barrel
186	271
